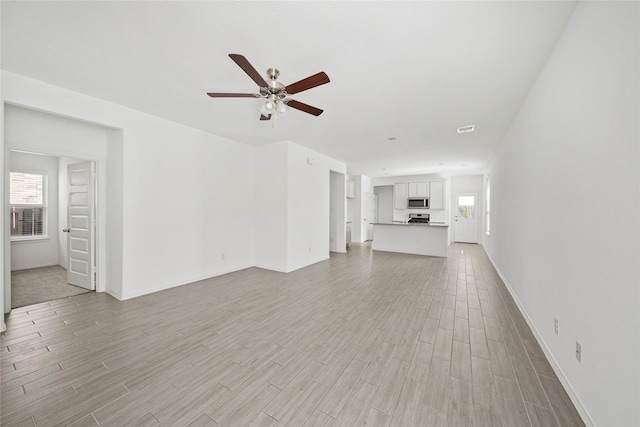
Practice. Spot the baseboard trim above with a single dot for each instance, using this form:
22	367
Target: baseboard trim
187	282
29	267
582	410
114	294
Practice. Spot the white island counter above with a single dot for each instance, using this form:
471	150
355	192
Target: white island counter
419	239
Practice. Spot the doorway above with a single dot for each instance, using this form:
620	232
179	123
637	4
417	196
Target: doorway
337	209
384	203
466	218
31	131
52	207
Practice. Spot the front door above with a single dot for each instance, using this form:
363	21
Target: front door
80	226
466	218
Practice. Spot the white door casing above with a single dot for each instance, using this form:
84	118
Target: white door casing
466	218
81	225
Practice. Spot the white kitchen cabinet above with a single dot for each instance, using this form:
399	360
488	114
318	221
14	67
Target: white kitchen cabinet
436	197
400	195
351	190
419	189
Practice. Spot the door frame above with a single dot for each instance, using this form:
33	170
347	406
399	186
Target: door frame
478	212
100	217
337	211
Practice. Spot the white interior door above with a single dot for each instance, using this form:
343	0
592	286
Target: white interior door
466	218
80	225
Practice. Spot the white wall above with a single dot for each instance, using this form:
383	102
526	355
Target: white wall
565	205
114	224
272	199
186	196
309	204
293	194
41	252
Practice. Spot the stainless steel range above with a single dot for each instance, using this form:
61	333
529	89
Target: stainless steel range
418	218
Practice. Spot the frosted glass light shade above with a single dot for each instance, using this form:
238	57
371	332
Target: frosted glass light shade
282	109
266	106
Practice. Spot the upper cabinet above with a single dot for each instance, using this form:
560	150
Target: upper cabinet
436	198
351	189
434	190
400	195
419	189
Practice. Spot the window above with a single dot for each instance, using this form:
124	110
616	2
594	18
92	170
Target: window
27	205
466	207
488	206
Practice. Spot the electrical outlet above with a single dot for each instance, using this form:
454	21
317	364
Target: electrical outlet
557	327
578	352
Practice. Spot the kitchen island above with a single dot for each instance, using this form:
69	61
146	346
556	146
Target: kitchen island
419	239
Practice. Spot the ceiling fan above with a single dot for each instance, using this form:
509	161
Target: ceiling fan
274	95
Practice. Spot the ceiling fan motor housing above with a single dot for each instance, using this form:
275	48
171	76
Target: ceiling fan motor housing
275	87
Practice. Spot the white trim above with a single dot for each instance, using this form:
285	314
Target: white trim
28	239
131	295
114	294
28	267
582	410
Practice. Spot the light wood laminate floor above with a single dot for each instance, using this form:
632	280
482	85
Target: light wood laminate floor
365	338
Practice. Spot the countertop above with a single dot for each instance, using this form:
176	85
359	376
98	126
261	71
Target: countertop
413	224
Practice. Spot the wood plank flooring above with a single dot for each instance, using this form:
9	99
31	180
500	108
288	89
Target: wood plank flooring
365	338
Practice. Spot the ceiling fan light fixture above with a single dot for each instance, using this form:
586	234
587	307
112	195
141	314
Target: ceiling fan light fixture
281	108
267	106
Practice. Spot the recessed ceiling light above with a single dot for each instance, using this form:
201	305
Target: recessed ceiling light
466	129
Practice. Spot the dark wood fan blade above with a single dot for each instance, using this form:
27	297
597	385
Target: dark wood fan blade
248	68
263	117
232	95
308	83
304	107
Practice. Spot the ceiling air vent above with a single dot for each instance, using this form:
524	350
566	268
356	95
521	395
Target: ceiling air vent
466	129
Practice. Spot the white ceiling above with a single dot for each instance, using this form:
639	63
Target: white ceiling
411	70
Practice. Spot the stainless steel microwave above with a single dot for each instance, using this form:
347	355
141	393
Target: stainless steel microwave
418	203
